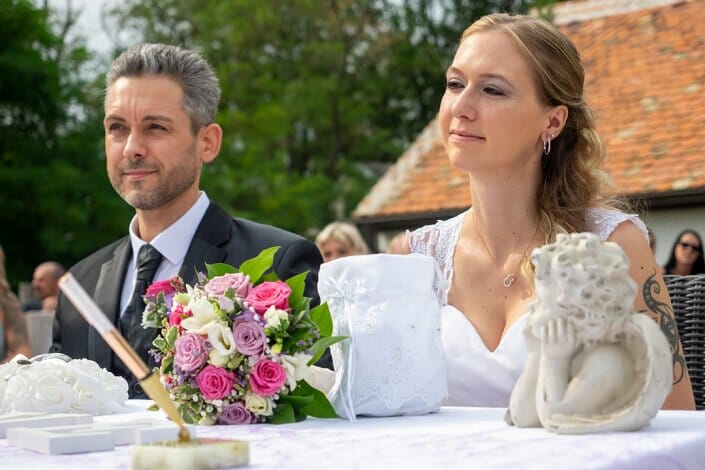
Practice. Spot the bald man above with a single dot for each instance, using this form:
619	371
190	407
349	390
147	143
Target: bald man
45	283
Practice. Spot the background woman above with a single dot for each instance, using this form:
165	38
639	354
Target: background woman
13	329
686	255
339	239
514	118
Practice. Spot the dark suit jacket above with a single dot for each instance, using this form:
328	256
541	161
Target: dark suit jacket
218	239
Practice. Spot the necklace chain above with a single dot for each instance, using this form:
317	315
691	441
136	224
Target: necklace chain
511	277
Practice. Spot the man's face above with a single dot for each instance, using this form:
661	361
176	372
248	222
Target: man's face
153	158
43	282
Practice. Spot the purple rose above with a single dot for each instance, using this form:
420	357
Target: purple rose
267	378
267	294
249	337
238	282
191	352
215	382
237	413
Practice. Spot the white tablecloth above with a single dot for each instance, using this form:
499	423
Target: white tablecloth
452	438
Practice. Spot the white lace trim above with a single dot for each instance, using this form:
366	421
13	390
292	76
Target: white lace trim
439	240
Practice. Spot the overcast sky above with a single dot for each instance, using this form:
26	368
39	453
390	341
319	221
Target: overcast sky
89	22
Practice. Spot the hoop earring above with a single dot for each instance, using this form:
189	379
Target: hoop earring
547	145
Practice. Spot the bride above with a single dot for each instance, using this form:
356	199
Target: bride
514	118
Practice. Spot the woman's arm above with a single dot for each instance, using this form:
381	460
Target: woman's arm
15	324
652	298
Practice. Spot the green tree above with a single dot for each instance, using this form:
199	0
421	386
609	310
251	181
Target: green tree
314	93
53	187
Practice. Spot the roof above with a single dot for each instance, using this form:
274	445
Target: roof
645	78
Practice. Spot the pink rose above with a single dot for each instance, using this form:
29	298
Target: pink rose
238	282
191	352
267	378
165	286
177	315
237	413
249	337
267	294
215	382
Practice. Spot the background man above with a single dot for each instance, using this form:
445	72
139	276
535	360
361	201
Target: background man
45	286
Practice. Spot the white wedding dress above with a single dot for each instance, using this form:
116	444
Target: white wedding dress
476	375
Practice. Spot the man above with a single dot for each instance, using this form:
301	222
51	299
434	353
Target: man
160	108
45	284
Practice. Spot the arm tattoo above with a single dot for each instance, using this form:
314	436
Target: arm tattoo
667	322
15	325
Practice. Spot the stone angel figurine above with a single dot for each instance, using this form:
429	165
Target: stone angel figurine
594	365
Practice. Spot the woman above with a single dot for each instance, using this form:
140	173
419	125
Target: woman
686	255
13	329
340	239
514	118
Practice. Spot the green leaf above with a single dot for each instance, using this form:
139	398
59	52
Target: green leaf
167	365
260	264
270	276
297	284
320	346
171	335
290	342
320	407
283	414
219	269
186	414
321	317
160	344
296	400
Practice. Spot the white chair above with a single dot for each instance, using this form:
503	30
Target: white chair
39	329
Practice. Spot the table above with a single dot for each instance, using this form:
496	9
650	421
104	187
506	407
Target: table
453	438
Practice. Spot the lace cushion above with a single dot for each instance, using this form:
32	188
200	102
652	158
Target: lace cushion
393	362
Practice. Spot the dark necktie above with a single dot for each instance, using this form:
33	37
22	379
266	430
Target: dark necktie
148	260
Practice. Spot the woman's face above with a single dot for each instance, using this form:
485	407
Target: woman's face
490	114
334	249
688	249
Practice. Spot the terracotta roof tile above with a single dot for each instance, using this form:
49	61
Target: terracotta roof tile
645	78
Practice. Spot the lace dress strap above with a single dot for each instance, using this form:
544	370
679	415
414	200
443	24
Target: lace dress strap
603	222
438	241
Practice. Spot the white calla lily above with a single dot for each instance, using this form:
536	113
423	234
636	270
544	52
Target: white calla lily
203	313
296	368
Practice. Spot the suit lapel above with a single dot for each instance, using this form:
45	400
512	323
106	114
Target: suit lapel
207	246
107	295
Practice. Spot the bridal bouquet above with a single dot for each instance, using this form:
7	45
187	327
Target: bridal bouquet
238	346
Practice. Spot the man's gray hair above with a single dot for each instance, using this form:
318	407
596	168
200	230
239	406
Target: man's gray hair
187	68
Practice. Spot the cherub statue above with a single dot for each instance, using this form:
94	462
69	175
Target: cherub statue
594	364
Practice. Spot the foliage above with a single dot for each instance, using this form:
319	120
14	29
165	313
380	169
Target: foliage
318	98
312	92
53	184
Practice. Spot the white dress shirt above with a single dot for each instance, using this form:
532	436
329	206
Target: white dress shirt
172	243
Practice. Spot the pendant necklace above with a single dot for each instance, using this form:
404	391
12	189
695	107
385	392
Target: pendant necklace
511	277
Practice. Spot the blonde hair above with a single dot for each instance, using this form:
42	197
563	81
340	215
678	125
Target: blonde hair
572	176
344	233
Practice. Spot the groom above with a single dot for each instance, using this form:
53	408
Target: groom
160	108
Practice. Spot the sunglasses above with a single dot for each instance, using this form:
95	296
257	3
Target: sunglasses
690	246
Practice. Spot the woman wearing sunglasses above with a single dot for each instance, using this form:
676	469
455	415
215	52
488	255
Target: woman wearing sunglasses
686	255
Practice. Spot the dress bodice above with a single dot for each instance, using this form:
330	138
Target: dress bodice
476	375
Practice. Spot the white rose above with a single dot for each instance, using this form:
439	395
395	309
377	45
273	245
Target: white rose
261	406
273	316
296	368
